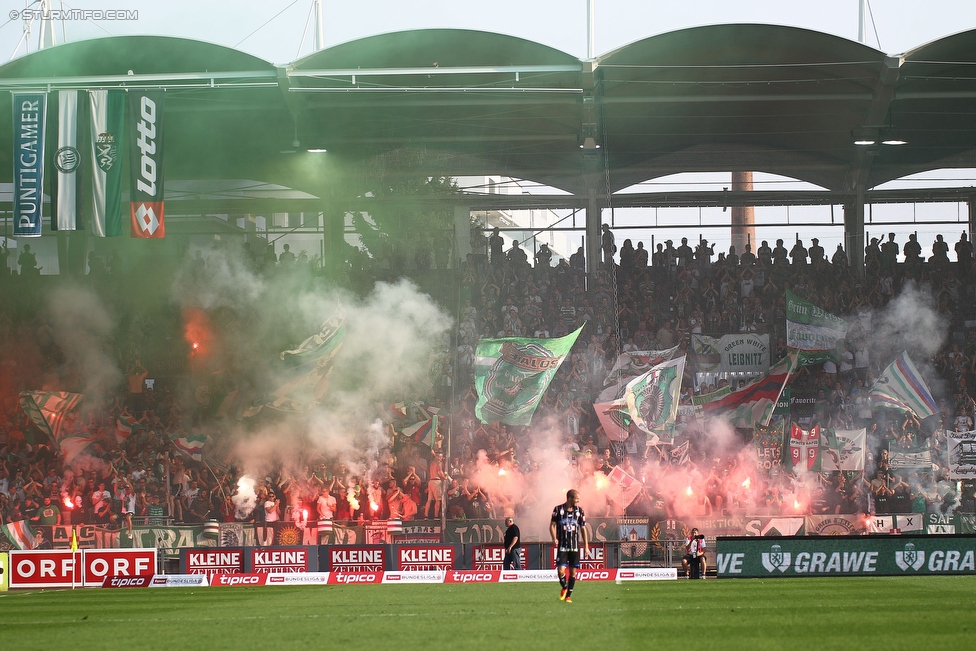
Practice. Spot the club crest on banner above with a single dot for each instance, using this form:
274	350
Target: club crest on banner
910	558
107	151
67	160
776	559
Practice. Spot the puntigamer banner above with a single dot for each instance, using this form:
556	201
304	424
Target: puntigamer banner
845	556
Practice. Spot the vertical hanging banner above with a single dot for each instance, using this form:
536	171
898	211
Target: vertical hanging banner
146	164
107	115
67	160
29	111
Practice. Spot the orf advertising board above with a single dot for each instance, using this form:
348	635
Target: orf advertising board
45	569
212	561
421	558
278	560
595	560
59	568
100	564
845	556
366	558
491	558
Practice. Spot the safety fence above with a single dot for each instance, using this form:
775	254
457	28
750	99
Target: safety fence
131	568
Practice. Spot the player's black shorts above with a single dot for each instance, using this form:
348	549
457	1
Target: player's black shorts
568	559
689	558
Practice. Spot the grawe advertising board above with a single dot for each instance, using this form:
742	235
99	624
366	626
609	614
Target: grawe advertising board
90	567
845	556
596	559
212	561
492	557
278	560
370	559
423	558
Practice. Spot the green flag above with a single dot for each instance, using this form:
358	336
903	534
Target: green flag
513	373
107	129
816	334
652	398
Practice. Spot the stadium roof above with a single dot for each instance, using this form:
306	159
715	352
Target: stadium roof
766	98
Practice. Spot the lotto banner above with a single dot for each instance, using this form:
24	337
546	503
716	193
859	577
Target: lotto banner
845	556
30	113
3	571
146	164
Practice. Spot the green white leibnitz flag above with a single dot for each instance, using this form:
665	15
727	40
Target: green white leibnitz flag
652	398
107	126
816	334
513	373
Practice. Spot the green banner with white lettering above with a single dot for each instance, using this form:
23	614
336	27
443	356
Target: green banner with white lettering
845	556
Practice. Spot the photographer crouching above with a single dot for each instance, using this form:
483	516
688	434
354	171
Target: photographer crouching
693	563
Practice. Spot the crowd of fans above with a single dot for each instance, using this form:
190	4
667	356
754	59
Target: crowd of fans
637	300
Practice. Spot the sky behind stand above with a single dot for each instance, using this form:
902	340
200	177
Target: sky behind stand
281	31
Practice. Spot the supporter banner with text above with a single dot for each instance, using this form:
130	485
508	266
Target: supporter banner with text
845	555
747	353
962	455
30	118
818	335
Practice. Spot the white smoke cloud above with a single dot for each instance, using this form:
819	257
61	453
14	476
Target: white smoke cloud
245	499
81	326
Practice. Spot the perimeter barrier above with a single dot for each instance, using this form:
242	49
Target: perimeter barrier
738	557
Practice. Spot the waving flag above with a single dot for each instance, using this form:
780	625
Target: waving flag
751	404
304	385
125	424
804	447
512	374
817	335
844	451
630	365
191	445
901	387
49	410
423	432
615	419
652	398
621	487
20	534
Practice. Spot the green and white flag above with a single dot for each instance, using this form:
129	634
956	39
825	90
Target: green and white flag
107	127
844	450
513	373
816	334
652	398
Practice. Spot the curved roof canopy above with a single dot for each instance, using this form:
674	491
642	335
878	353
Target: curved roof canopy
456	102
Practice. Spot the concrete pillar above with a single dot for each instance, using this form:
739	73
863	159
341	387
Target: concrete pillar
743	217
594	218
854	231
972	217
462	234
333	237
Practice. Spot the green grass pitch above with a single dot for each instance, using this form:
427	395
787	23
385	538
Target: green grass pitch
838	613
